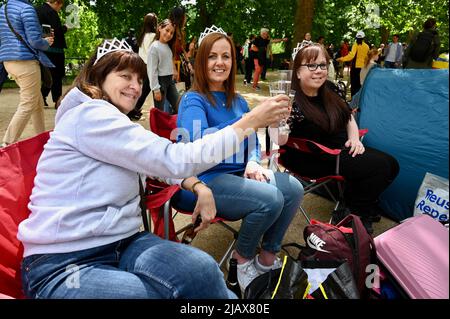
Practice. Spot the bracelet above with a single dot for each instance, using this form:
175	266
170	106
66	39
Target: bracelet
195	184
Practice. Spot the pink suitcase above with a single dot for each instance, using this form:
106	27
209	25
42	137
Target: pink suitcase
416	255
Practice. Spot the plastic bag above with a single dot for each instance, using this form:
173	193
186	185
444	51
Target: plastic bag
432	198
305	280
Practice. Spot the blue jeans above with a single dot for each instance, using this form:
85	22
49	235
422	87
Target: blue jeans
266	209
141	266
169	102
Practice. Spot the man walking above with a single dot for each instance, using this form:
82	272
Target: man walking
48	14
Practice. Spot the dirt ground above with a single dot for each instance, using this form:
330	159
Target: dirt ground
215	239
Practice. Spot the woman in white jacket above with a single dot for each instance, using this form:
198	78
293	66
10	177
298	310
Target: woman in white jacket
82	238
144	41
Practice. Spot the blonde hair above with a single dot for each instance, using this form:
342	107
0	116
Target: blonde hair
370	55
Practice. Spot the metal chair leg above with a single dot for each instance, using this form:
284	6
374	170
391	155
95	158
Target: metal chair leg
228	252
166	209
304	214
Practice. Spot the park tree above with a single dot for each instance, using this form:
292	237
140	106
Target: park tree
304	17
333	19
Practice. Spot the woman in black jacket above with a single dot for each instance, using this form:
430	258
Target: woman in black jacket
48	14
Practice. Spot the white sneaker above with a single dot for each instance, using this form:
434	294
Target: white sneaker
246	272
261	269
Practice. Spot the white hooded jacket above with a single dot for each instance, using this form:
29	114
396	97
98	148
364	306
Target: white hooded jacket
86	191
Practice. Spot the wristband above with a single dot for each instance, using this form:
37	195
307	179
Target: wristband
195	184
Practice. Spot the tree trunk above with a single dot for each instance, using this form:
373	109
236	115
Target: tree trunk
303	20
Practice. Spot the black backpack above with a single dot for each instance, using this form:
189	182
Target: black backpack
422	47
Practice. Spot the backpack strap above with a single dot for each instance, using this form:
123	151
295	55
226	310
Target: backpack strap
295	245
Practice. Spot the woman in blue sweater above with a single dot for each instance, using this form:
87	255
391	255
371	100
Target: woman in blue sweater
21	50
265	201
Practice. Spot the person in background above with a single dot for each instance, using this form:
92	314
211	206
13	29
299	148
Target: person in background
248	59
48	14
3	75
145	39
357	55
160	69
321	40
20	59
178	17
259	48
393	54
266	201
370	62
382	50
424	47
321	115
131	39
307	36
85	204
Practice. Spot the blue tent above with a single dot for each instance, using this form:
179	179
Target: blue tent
406	112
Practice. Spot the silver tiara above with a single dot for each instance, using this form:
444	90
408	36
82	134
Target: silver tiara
303	44
212	29
109	46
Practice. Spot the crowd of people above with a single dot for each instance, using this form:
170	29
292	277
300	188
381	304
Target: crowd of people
86	200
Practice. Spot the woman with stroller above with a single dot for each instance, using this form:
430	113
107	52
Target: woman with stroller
82	238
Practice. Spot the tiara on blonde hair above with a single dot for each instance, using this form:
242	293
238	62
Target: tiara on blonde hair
109	46
301	45
212	29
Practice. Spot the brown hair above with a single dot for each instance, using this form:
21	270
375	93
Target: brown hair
373	52
201	83
164	23
150	25
56	1
91	78
338	113
430	23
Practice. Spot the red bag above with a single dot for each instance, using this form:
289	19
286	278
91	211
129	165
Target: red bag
347	241
17	171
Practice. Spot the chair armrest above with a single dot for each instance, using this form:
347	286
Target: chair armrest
301	144
363	132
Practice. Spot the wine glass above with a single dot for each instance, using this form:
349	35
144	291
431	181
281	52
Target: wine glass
282	87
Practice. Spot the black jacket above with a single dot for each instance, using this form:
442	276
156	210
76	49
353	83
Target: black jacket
47	15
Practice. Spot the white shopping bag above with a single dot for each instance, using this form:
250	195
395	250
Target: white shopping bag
432	198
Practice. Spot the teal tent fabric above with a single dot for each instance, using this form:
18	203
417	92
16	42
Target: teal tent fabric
406	112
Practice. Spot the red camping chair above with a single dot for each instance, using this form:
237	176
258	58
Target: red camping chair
311	184
160	194
18	163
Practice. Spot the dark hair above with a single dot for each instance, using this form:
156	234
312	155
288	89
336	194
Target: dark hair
91	78
338	113
178	17
430	23
150	25
359	40
201	83
164	23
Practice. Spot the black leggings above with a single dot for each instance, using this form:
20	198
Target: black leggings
355	81
366	176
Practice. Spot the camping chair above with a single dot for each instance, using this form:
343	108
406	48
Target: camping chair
18	163
159	194
313	184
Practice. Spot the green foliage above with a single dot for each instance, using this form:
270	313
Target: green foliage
339	19
333	19
81	41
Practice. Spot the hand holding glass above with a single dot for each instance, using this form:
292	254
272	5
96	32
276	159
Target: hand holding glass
282	87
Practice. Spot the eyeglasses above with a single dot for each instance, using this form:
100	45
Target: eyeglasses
314	66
